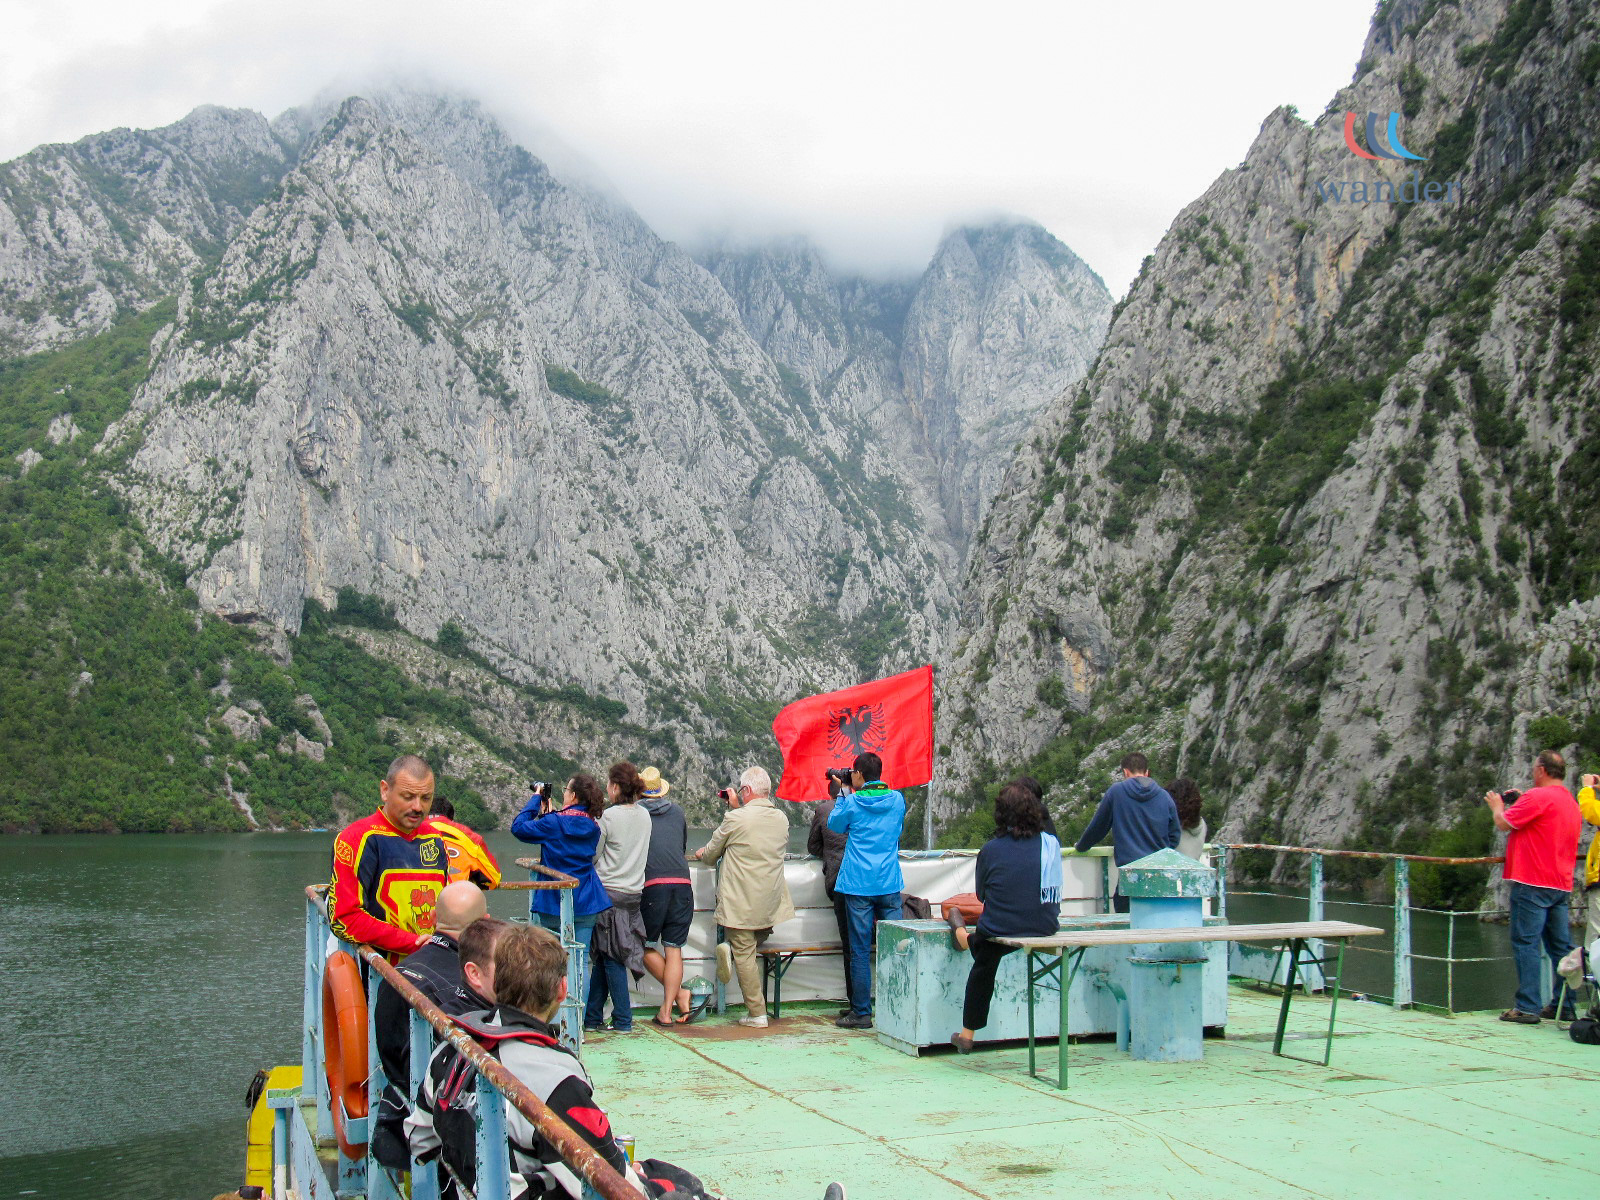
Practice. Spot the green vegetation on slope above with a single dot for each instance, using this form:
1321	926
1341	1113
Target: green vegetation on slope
111	680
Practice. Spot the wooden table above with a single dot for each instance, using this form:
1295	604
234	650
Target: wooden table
1065	950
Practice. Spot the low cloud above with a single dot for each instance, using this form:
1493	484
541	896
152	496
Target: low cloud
869	128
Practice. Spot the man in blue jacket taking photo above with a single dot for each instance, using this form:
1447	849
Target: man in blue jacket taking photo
869	878
1138	814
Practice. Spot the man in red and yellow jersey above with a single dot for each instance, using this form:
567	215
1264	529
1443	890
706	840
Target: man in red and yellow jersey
470	856
389	868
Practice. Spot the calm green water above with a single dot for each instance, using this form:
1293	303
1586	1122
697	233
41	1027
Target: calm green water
148	977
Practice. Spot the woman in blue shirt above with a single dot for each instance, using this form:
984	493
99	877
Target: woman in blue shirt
1019	882
570	836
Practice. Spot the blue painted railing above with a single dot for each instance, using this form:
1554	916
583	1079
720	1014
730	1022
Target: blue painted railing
1404	956
303	1130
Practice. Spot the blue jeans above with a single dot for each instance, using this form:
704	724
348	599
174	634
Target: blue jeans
865	913
609	976
582	929
1537	914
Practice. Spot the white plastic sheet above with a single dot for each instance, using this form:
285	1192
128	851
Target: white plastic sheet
821	976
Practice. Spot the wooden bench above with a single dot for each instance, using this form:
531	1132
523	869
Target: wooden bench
775	962
1065	950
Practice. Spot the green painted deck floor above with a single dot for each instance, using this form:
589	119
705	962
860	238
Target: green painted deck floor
1414	1105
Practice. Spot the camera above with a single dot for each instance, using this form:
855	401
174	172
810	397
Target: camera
727	795
542	790
843	776
1510	796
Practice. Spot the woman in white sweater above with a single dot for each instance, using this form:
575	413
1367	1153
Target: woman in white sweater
619	932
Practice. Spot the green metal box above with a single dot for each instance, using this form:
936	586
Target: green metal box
922	978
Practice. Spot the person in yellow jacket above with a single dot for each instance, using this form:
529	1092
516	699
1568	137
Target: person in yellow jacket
1589	806
469	856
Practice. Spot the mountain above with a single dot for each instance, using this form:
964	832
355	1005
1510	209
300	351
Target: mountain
611	497
1319	529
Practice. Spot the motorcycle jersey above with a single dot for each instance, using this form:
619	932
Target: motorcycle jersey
385	884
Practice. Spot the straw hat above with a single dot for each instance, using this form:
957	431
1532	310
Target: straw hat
654	785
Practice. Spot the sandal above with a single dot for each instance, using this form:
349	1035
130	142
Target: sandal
656	1020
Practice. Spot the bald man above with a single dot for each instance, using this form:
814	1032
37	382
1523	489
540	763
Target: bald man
435	969
389	867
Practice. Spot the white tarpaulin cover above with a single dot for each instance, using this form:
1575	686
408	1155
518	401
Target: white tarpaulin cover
934	876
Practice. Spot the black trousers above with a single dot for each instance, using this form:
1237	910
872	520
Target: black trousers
986	956
842	916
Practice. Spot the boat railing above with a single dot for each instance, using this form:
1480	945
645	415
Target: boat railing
296	1155
1404	955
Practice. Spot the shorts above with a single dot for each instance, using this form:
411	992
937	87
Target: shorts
667	909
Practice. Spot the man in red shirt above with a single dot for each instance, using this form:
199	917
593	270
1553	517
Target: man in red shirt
1541	848
389	868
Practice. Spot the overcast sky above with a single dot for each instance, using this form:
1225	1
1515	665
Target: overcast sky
871	125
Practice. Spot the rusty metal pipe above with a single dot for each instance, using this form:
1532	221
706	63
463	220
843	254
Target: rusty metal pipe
574	1151
1424	858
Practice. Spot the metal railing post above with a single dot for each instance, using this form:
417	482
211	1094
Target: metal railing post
1314	911
311	1047
1402	934
494	1168
424	1176
1222	881
572	1006
1450	967
1105	884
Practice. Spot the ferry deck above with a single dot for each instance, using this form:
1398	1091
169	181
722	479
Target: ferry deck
1413	1105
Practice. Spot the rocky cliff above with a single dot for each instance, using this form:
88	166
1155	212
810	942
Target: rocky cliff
425	368
1319	528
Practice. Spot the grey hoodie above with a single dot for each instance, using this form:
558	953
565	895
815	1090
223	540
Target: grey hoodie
669	839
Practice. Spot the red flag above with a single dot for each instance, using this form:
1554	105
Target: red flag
892	718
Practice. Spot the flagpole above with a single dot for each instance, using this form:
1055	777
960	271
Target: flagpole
927	819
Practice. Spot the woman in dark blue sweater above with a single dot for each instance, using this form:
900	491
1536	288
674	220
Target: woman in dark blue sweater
1019	882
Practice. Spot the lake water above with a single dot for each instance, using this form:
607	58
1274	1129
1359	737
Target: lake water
148	977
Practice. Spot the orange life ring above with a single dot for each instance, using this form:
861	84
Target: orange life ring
344	1045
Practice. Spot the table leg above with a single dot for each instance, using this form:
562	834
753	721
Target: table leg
1065	980
1027	969
778	969
1288	995
1333	1009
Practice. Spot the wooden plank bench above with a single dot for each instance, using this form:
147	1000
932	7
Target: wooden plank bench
1065	950
775	962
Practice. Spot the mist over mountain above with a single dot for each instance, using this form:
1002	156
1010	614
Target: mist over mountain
409	394
1320	528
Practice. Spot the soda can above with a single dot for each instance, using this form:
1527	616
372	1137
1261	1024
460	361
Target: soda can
627	1146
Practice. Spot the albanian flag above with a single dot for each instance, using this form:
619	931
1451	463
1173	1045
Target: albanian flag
892	718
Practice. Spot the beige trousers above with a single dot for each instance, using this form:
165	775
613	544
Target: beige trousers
742	945
1591	929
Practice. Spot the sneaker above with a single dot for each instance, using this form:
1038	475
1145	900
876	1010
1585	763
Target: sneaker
724	962
1517	1017
835	1192
622	1029
753	1022
852	1021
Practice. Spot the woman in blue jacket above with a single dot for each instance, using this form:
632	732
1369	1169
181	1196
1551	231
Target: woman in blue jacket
1019	882
569	831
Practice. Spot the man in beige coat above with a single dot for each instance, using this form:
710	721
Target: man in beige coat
752	896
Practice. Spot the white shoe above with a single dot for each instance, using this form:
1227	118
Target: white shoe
753	1022
724	962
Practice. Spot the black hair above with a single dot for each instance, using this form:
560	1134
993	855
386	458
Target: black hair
1185	794
1018	813
870	766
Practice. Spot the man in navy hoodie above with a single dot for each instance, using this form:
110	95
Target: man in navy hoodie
1138	814
869	877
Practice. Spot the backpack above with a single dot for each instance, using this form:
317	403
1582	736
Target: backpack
1585	1030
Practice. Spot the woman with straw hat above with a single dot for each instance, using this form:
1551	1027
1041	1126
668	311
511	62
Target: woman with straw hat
668	905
